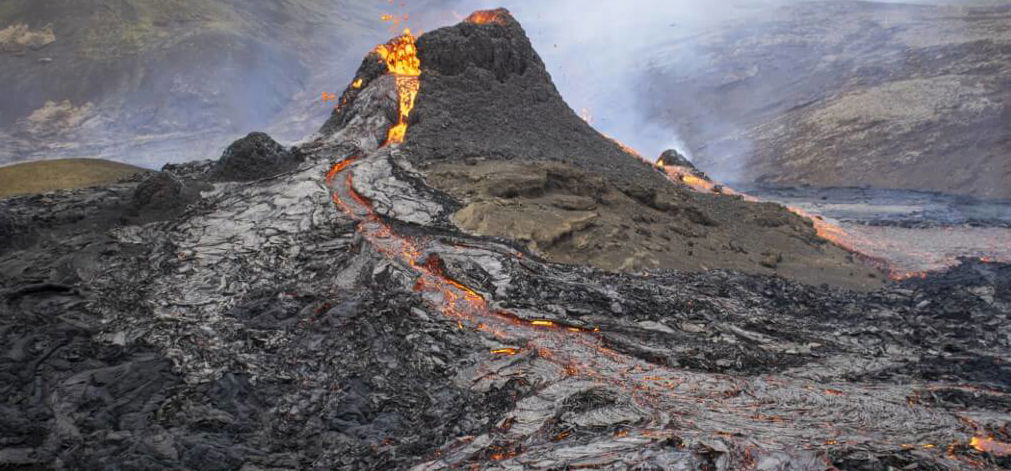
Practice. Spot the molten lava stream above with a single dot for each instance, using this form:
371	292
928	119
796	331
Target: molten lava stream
657	392
452	297
401	58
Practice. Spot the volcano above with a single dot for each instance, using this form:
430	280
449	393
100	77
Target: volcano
457	272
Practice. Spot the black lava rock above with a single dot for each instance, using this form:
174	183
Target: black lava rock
9	229
673	157
160	190
487	95
163	195
253	157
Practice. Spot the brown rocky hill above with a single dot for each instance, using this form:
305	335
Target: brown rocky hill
490	129
50	175
847	93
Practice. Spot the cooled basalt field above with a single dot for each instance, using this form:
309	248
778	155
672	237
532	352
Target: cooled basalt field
342	313
915	232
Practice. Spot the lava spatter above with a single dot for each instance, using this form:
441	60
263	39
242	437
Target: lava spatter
990	445
483	17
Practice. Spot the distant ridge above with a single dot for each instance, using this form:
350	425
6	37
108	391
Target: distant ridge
48	175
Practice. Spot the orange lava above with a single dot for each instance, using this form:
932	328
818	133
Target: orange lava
685	175
357	83
338	168
991	446
824	229
549	339
628	150
459	301
483	17
401	58
827	230
506	351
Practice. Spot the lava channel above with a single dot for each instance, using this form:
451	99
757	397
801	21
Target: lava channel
787	412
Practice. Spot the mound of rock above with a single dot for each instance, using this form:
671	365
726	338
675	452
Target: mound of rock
486	94
253	157
671	157
8	229
164	191
490	129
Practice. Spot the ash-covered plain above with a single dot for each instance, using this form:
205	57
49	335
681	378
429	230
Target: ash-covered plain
332	306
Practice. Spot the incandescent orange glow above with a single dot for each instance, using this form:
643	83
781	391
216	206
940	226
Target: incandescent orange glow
628	150
395	21
486	17
337	168
578	351
824	229
827	230
401	58
401	55
505	351
357	83
991	446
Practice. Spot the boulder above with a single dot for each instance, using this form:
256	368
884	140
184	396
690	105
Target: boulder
253	157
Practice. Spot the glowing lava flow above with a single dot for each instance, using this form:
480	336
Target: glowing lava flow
401	58
699	184
484	17
455	299
824	229
989	445
580	355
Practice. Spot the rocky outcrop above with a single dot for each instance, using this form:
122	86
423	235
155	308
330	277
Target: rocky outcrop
568	215
253	157
9	229
846	94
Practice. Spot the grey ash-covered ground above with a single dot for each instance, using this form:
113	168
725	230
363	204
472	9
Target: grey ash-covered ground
292	322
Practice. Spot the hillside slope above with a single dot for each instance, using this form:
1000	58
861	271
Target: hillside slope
61	174
149	81
846	94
